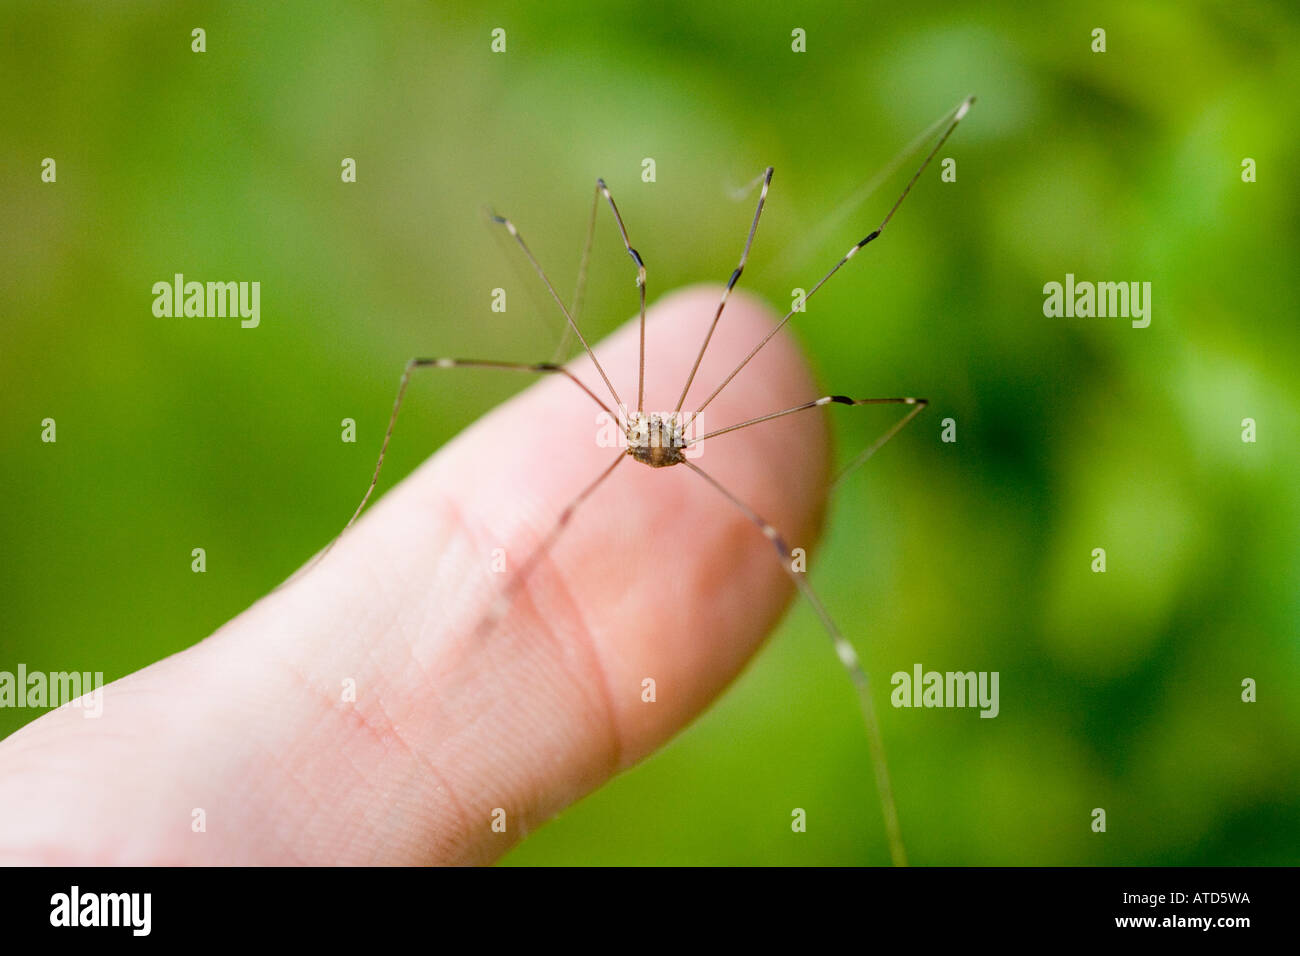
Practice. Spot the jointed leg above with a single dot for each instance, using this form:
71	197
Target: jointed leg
418	363
580	288
603	190
537	267
817	402
766	179
848	657
957	116
503	600
918	403
879	443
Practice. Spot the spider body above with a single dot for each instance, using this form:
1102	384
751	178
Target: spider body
656	440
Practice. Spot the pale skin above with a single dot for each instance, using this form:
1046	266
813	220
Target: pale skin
657	576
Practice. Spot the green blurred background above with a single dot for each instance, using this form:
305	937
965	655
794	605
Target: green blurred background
1119	690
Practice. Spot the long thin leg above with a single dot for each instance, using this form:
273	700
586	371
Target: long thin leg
527	280
602	189
815	403
537	267
865	454
848	657
580	288
879	443
418	363
766	177
797	252
503	600
958	114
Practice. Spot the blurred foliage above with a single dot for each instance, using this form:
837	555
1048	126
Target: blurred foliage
1118	691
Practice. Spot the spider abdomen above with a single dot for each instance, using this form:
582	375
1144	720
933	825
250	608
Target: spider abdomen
656	440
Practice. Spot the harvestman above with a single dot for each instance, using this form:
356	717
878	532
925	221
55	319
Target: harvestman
660	440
